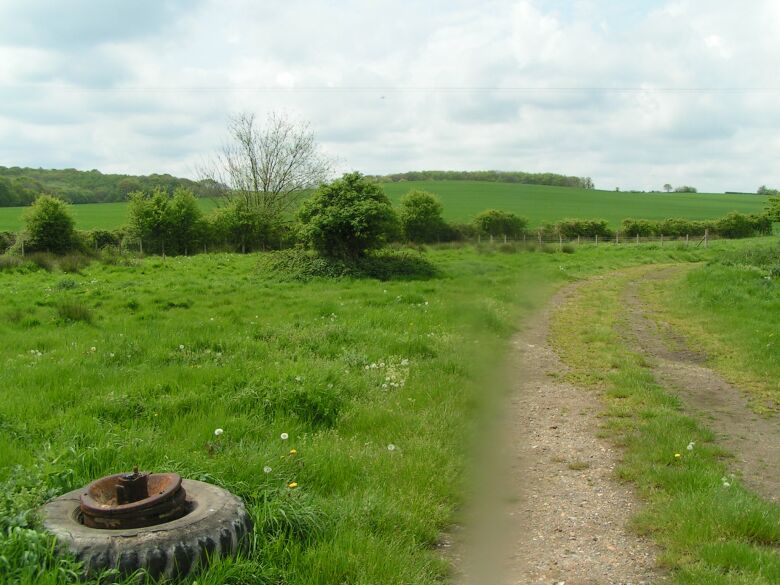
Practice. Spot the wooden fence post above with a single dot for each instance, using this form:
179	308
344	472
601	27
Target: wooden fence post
540	237
597	239
706	237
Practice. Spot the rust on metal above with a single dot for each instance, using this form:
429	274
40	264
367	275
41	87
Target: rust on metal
133	500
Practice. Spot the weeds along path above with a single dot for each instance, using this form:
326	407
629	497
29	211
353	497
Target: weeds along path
551	510
754	440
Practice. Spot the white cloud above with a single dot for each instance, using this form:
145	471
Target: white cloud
412	85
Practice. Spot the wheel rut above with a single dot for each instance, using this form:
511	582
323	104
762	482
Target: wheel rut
752	439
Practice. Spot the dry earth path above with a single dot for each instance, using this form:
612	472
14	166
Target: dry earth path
752	439
549	509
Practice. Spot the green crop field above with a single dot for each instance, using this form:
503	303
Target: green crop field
464	199
540	204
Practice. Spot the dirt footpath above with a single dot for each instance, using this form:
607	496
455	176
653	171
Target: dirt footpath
753	440
555	513
547	508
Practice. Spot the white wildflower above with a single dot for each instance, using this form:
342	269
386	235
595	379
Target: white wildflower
391	447
284	436
218	432
267	469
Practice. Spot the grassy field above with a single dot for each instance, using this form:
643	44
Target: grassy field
464	199
710	530
375	382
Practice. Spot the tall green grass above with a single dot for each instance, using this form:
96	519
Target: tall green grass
375	383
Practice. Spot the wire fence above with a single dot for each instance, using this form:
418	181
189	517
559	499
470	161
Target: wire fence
618	239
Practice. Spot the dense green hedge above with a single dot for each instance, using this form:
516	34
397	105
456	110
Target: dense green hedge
734	225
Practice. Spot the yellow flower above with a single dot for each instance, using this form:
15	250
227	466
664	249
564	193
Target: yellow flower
293	451
292	485
677	455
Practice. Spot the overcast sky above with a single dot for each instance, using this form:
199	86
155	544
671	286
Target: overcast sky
634	94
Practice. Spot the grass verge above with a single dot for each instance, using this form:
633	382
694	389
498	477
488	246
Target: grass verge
709	527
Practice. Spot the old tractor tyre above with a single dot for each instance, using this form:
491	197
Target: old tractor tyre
217	525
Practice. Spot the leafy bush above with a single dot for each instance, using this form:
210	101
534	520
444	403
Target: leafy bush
737	225
347	218
74	311
678	228
500	223
99	239
588	228
49	226
643	228
245	228
457	232
421	218
7	240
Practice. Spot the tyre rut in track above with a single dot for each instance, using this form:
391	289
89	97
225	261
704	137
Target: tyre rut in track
754	440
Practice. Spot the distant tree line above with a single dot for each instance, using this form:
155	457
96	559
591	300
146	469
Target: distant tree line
552	179
20	186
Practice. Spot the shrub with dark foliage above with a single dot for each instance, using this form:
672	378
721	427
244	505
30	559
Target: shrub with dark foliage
49	226
347	218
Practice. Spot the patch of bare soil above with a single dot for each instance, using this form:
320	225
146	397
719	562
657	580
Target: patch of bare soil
550	509
754	440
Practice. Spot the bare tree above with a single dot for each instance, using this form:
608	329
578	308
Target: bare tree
268	168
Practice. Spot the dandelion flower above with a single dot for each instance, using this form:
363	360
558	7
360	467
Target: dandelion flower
181	346
218	432
677	455
690	446
93	349
293	451
284	436
292	485
267	469
391	447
